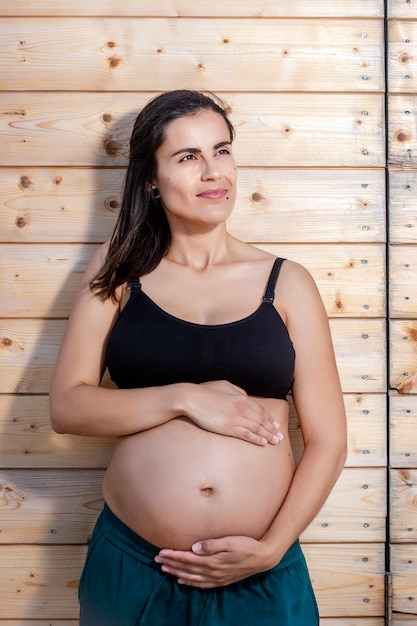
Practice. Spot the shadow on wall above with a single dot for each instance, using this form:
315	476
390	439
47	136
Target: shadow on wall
52	495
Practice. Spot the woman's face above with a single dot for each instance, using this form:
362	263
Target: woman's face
196	171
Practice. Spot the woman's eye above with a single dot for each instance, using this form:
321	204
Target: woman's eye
187	157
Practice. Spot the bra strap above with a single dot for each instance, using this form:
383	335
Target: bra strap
135	287
273	277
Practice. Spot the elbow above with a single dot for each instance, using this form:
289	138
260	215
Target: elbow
343	455
57	417
341	452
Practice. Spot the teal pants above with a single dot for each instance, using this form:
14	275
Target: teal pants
122	586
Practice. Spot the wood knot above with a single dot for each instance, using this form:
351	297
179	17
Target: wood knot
402	136
111	147
57	180
20	112
411	332
20	222
25	182
339	304
114	61
107	117
111	204
111	44
226	40
257	197
6	341
405	58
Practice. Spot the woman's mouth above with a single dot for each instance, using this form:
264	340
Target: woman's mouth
213	194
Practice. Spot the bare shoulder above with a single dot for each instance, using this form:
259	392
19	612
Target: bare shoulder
295	283
96	262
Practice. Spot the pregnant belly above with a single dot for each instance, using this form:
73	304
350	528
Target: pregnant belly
177	484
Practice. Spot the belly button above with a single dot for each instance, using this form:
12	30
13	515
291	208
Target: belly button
207	491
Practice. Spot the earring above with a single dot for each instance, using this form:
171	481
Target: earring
155	193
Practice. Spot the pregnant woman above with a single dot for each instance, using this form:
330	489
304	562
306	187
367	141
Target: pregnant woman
204	336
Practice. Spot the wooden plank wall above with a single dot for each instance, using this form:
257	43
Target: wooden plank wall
402	162
305	84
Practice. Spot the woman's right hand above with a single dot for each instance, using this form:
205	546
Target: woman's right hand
222	408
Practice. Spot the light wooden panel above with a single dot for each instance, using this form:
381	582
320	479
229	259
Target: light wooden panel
59	622
60	205
404	577
403	212
332	621
366	421
402	141
403	361
402	281
108	55
403	505
40	581
401	9
403	431
351	279
316	205
215	8
39	506
41	280
365	373
349	580
323	130
401	56
404	620
28	351
27	440
354	511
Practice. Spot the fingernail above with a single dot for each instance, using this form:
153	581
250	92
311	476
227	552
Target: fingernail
275	439
275	424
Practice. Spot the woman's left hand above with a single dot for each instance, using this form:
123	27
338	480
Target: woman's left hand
215	562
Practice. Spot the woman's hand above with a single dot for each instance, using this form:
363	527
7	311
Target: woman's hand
225	409
215	562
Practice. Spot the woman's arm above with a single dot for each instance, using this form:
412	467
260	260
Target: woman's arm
318	400
78	405
319	403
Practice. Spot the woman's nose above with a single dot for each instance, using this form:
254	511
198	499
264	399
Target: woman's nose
210	170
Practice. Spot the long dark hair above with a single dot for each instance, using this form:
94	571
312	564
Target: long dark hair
141	236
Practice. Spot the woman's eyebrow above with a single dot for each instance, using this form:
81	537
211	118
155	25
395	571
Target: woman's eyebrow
221	144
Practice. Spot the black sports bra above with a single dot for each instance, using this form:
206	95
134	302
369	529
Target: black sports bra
149	347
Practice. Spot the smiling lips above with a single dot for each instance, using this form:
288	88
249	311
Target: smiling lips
213	194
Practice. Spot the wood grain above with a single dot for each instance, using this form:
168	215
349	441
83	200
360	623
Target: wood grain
214	8
97	54
41	280
287	205
273	129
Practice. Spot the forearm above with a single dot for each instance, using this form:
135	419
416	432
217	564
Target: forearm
96	411
313	481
